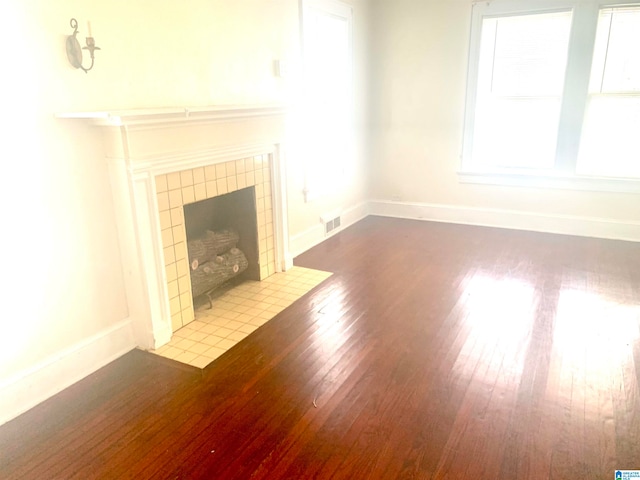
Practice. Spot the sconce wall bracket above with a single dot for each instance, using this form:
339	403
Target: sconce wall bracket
74	51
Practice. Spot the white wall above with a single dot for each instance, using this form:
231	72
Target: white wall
419	56
63	285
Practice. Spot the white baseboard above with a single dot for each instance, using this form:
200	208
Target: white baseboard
537	222
311	237
30	387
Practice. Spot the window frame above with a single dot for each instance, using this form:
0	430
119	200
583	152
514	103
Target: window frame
573	104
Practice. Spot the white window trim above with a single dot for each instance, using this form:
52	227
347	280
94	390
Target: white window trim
565	182
563	175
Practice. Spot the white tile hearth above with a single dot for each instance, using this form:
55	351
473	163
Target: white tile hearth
236	314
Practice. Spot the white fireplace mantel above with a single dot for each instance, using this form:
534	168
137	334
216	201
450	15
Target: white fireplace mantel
141	144
167	115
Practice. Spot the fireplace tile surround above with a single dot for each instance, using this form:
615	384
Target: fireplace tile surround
176	189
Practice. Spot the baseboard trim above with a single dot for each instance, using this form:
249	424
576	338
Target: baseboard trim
537	222
34	385
311	237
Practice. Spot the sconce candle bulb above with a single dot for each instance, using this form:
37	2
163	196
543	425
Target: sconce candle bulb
74	51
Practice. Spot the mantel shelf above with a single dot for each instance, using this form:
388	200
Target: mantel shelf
167	115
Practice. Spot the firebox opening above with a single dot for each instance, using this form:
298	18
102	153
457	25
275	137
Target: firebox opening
231	212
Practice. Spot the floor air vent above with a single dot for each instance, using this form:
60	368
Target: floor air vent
331	225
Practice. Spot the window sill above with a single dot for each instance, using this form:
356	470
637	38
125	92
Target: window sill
566	182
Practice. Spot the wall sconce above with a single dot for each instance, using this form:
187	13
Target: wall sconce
74	51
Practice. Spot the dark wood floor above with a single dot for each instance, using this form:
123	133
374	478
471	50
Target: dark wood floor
435	351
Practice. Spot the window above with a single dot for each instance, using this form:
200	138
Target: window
328	113
554	93
611	133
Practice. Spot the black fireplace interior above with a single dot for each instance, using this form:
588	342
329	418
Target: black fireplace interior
235	210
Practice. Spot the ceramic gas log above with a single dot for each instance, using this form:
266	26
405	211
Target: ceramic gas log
214	260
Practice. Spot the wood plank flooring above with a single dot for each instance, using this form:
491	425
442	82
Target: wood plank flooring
434	351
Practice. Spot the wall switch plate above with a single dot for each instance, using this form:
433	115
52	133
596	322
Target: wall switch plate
280	68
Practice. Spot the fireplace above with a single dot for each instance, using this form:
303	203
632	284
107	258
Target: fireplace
191	195
163	161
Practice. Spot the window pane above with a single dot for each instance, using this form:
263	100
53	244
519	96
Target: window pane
616	62
327	102
520	81
528	53
610	143
516	132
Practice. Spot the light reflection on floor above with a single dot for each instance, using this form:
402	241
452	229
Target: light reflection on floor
498	325
504	318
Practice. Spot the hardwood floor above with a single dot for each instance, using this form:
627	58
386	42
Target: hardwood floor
435	351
